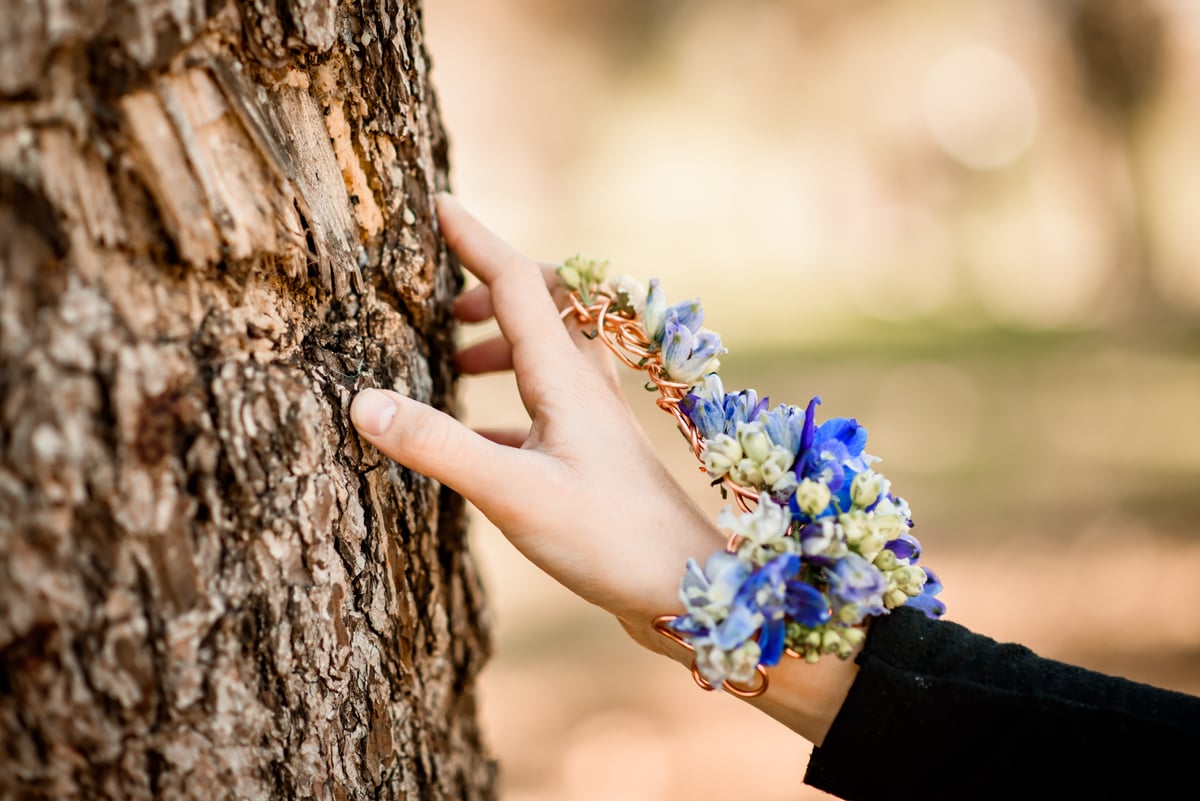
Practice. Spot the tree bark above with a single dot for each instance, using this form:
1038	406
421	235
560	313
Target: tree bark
216	225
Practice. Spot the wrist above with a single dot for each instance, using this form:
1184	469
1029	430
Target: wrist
804	696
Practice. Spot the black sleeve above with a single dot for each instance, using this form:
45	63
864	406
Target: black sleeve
938	711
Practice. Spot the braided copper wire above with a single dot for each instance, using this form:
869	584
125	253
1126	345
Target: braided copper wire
626	338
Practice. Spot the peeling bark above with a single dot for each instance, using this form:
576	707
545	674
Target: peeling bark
216	225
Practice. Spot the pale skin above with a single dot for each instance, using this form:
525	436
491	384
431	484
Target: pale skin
582	493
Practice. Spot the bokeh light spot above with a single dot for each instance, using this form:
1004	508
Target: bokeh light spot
980	107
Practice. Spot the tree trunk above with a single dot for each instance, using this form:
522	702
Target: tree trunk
216	225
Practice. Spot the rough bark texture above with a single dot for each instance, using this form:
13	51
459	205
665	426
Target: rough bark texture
216	225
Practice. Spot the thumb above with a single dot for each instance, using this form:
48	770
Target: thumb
433	443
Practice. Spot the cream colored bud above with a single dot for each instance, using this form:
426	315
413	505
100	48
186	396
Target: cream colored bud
872	543
855	524
890	526
850	614
812	497
743	662
598	269
784	487
754	441
776	465
885	560
864	489
895	598
720	454
854	637
746	473
569	277
910	579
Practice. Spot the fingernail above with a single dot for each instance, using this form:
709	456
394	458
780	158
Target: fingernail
372	411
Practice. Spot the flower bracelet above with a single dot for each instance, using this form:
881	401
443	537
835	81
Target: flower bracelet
818	543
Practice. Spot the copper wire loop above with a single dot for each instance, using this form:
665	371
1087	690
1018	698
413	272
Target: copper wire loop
662	624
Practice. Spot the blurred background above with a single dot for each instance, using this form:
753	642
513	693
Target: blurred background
971	225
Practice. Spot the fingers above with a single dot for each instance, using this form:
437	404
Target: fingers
523	308
495	356
435	444
475	305
490	356
504	436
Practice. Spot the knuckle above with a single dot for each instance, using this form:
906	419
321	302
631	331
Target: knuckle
422	436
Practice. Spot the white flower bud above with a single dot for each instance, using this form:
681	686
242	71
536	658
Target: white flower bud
886	560
743	661
597	269
719	454
872	543
629	293
784	486
812	497
854	637
855	525
776	465
910	579
754	441
895	598
850	614
864	489
569	277
746	473
889	526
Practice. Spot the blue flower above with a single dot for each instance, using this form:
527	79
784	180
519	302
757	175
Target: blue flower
714	411
776	593
836	447
808	427
709	596
689	355
785	425
854	580
688	312
742	407
706	592
705	406
906	546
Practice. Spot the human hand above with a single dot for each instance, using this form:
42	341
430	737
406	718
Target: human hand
582	493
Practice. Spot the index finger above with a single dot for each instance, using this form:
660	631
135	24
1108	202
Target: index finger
520	299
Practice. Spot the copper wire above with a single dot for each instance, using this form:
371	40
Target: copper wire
662	624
